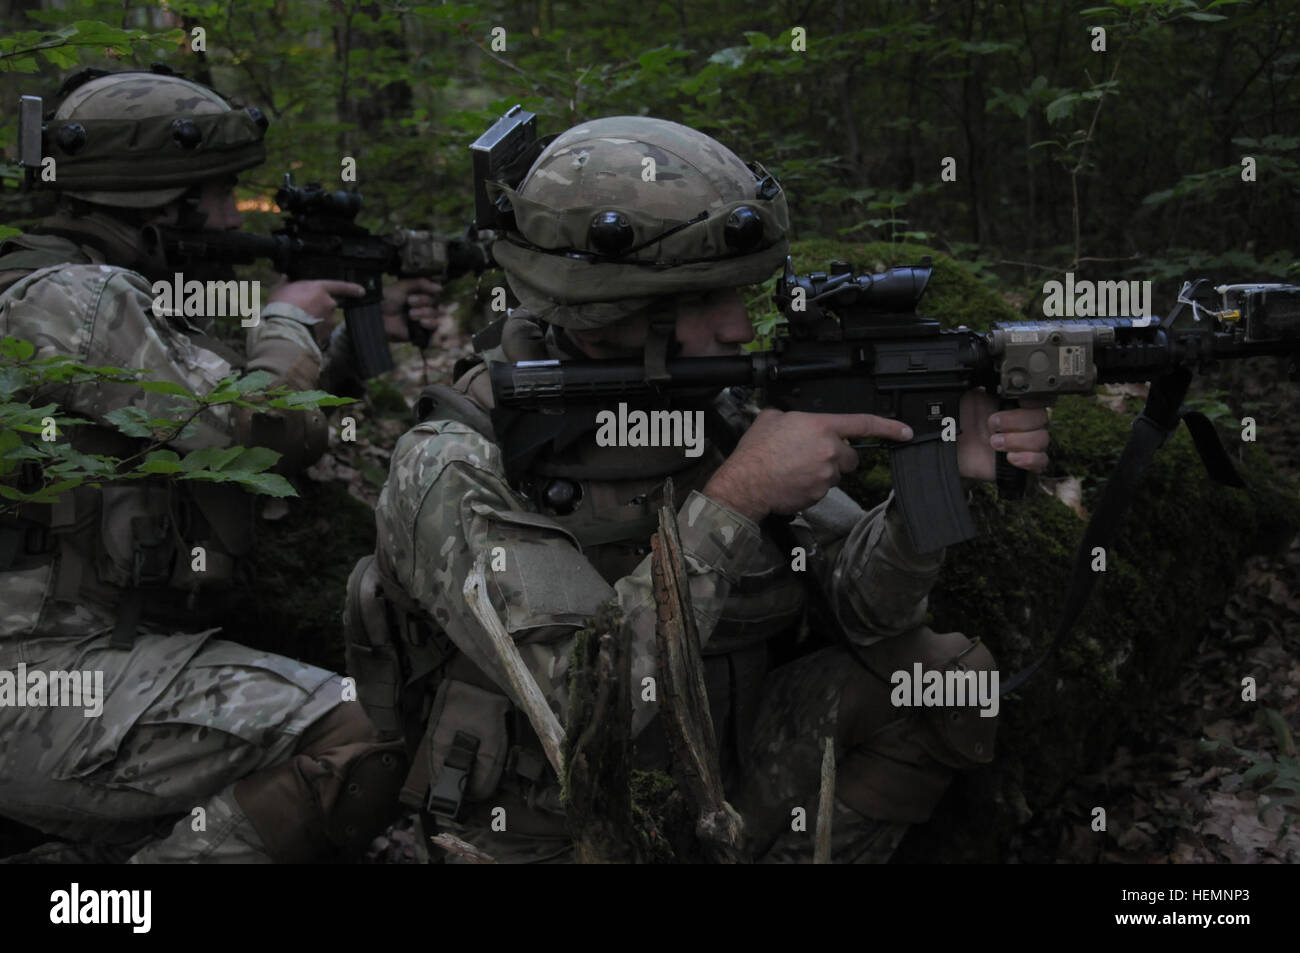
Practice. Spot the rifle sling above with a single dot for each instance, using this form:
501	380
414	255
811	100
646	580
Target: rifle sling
1159	419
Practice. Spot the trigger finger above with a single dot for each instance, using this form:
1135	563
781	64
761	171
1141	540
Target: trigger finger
846	458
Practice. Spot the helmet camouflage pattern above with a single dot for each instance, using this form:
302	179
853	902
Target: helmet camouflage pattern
618	212
141	139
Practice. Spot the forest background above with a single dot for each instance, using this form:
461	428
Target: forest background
1107	140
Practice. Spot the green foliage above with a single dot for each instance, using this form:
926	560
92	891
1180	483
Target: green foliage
62	47
1140	143
39	460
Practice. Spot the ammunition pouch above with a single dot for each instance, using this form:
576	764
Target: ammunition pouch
397	659
464	748
372	657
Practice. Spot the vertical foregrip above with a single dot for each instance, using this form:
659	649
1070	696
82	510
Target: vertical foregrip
927	486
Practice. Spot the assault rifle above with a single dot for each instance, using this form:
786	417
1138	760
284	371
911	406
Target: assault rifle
855	344
320	239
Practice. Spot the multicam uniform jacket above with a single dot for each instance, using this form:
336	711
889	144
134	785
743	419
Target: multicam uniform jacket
447	502
102	316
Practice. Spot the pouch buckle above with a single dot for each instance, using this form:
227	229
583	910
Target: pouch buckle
449	791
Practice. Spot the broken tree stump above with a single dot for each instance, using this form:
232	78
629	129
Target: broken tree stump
597	755
684	704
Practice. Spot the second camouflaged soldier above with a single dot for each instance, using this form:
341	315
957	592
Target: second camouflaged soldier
609	265
205	750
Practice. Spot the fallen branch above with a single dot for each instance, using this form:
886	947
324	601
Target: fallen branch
521	680
454	845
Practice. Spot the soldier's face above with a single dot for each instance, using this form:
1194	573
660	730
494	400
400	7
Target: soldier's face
217	201
709	324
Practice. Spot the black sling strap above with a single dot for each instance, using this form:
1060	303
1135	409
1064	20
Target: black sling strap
1159	419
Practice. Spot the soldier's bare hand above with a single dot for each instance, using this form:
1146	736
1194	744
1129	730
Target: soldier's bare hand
985	430
786	462
319	297
413	297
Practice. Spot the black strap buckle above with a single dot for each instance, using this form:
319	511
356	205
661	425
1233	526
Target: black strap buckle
449	790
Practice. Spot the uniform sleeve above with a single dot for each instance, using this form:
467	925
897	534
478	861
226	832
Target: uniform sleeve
446	501
103	316
876	582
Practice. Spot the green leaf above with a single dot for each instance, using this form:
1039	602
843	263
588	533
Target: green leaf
659	57
132	421
759	41
160	461
165	387
1205	17
308	399
63	57
257	380
17	348
209	458
12	380
251	460
50	494
1062	106
266	484
96	33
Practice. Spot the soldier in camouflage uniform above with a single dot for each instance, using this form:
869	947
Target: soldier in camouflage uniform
609	265
282	767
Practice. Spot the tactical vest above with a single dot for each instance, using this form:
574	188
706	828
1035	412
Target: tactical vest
119	555
609	500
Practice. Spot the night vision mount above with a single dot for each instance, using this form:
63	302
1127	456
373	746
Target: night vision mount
504	154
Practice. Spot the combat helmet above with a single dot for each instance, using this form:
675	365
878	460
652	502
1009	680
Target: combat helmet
142	139
619	212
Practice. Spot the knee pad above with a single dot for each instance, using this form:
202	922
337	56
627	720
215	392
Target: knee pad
902	759
335	793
